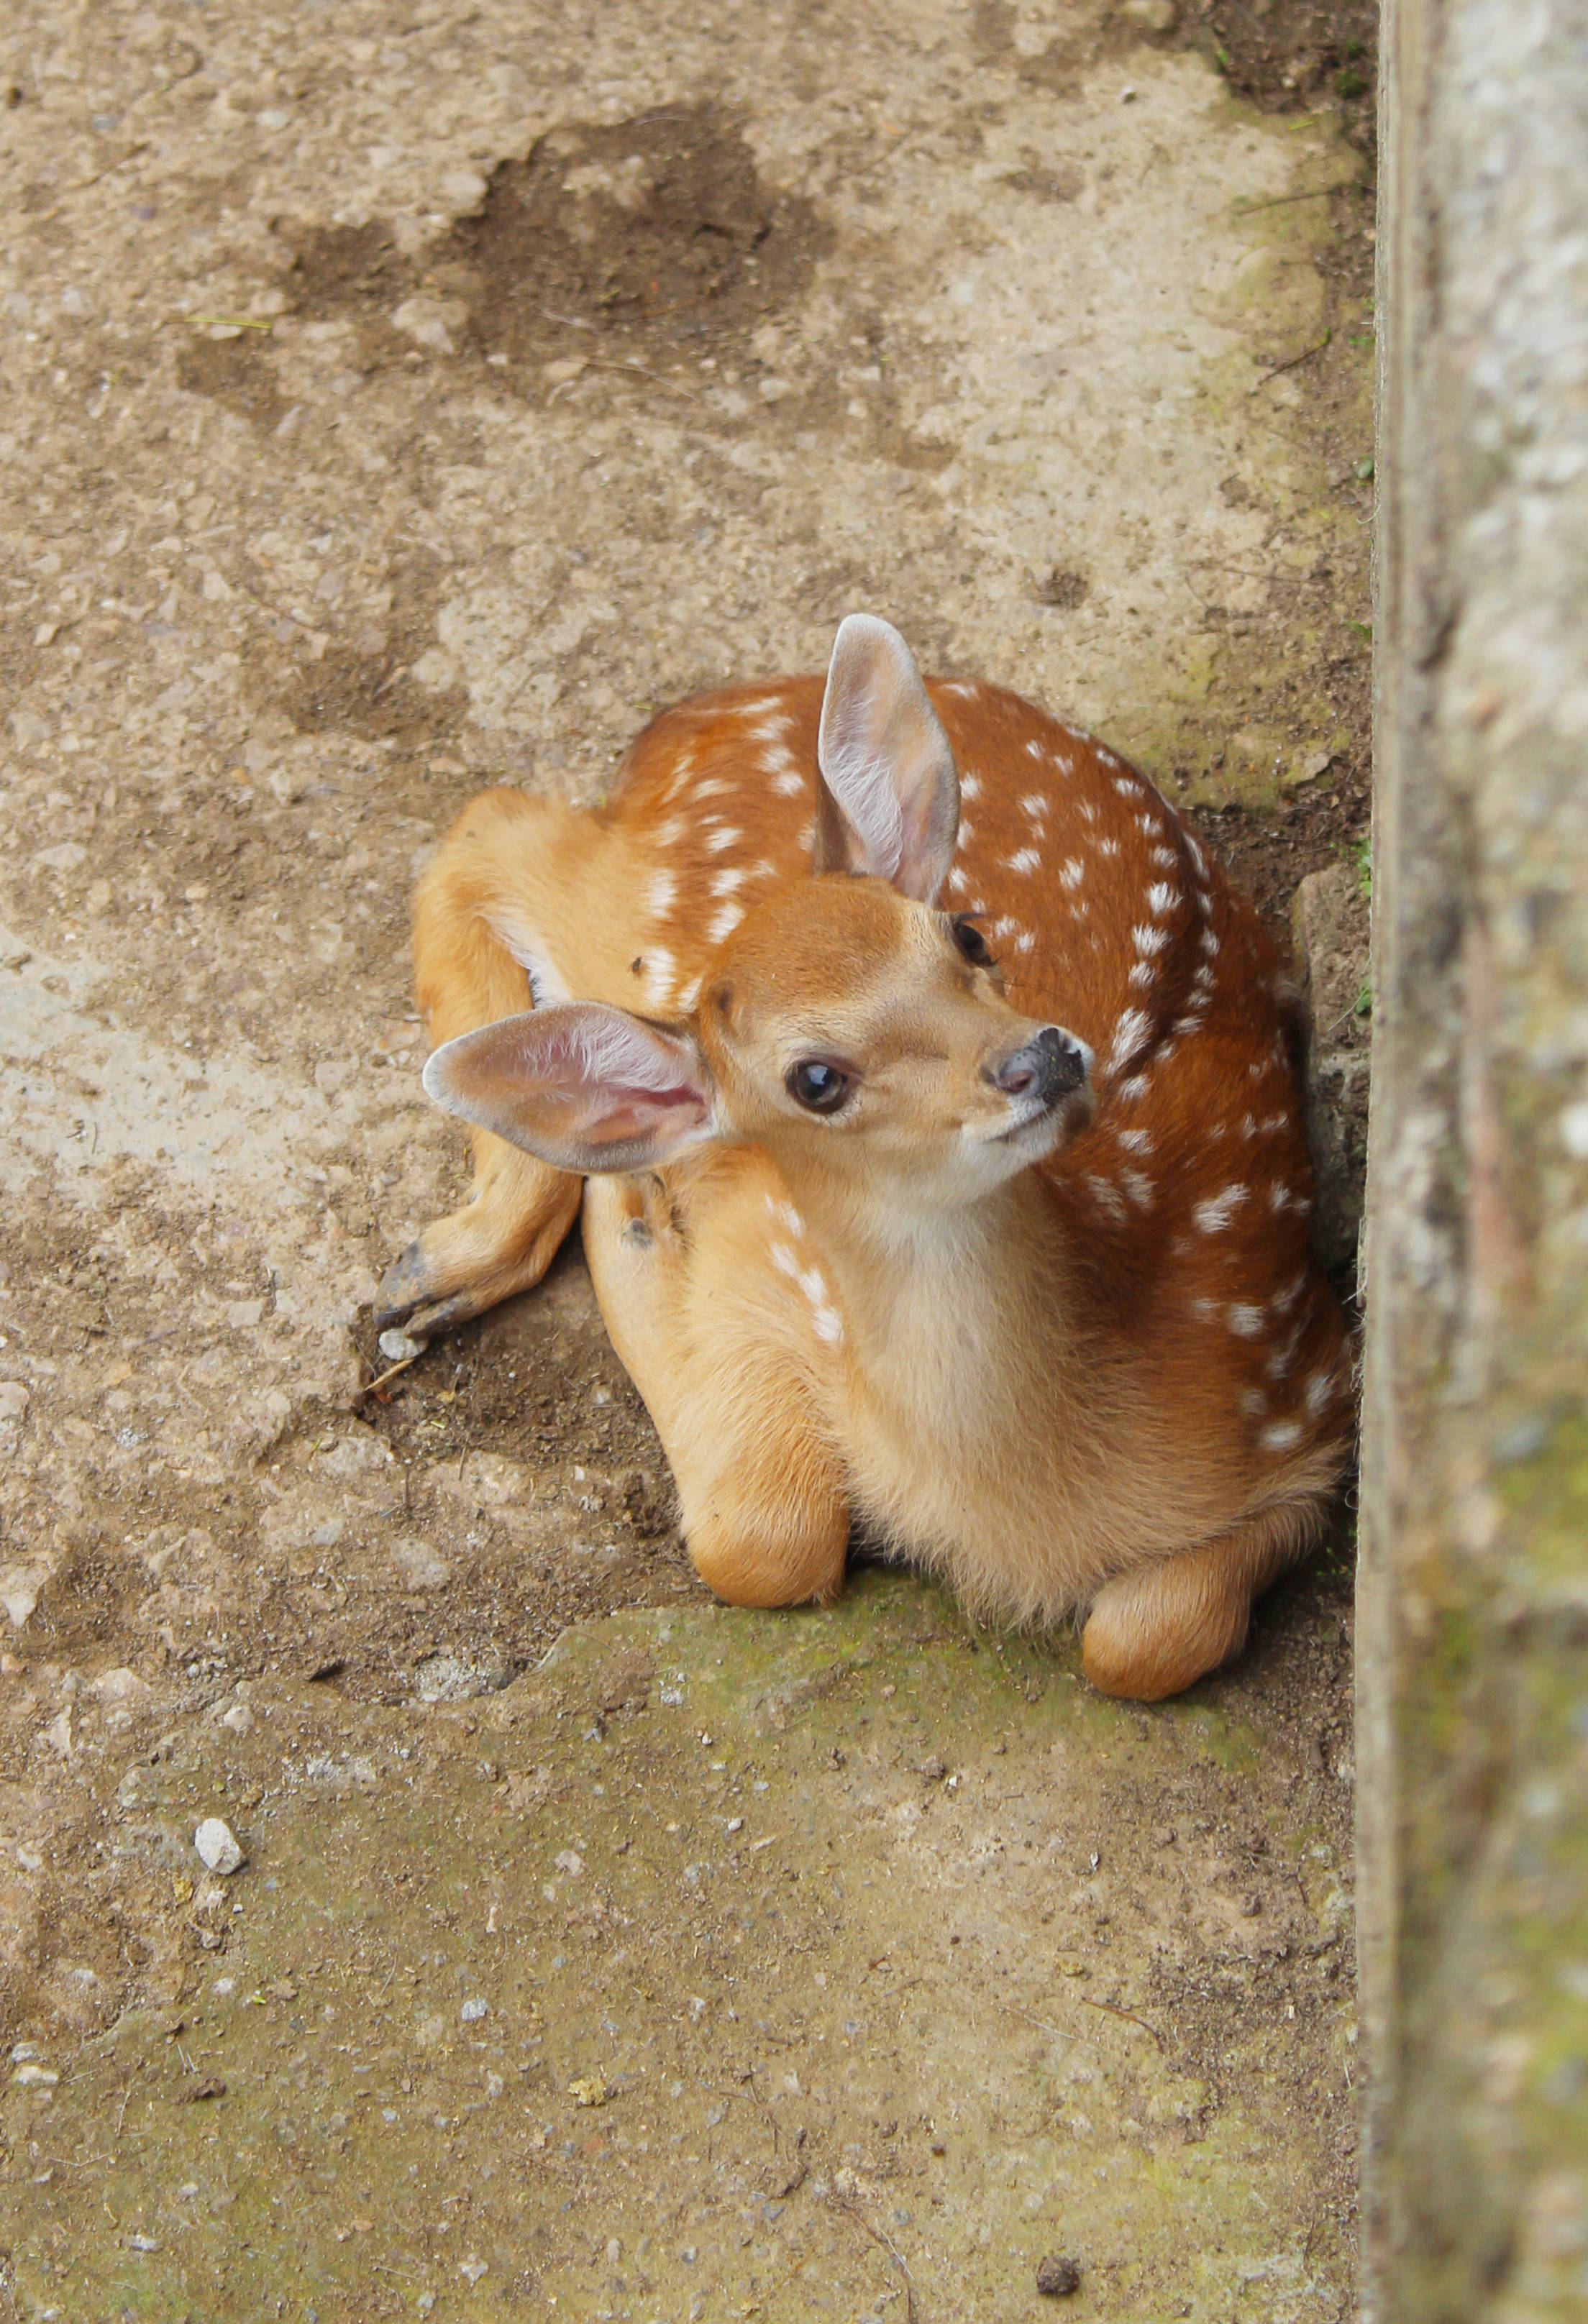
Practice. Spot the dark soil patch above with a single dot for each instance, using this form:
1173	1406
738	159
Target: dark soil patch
658	231
363	685
1271	852
652	235
1288	53
235	373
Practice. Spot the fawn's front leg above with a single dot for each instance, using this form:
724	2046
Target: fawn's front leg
721	1350
519	1209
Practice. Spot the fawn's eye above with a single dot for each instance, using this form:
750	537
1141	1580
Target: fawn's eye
969	941
818	1086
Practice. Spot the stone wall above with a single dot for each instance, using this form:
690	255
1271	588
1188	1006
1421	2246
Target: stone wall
1473	1631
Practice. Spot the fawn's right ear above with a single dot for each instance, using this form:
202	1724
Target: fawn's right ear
888	797
588	1088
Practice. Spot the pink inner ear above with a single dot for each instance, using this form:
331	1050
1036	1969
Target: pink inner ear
584	1086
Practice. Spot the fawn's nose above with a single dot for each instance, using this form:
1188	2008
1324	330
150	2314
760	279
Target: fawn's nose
1049	1067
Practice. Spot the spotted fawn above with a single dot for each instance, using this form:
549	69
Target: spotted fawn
927	1091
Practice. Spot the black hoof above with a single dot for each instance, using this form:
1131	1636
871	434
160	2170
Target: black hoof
405	1284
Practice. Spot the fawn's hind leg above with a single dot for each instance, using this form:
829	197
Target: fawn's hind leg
1159	1627
730	1373
519	1210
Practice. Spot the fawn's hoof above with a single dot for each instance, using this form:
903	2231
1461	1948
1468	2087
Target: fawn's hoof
407	1284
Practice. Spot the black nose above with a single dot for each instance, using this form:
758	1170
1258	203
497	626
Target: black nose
1049	1067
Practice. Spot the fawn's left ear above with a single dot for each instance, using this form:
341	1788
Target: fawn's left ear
586	1088
888	799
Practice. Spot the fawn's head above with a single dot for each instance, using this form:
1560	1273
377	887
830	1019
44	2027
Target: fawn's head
847	1024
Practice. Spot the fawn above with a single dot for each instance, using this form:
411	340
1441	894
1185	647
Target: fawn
928	1092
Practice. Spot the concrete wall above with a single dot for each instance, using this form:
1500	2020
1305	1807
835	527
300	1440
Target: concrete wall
1473	1597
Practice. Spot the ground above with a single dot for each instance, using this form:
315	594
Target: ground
403	400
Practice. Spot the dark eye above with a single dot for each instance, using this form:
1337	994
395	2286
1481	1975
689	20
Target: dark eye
818	1086
971	943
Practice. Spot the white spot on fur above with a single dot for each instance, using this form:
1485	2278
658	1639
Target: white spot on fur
712	787
1136	1141
1108	847
1071	871
1128	1036
790	784
967	831
785	1261
1208	942
721	841
660	968
1161	898
723	883
1035	803
1004	927
1280	1198
1138	1185
1128	788
1025	859
689	994
1107	1199
1213	1215
661	888
970	787
1149	941
668	833
958	879
1026	943
1034	749
1197	857
1088	812
726	922
1281	1435
1246	1321
1319	1390
1166	858
1285	1300
1134	1090
827	1324
1205	903
814	1284
547	988
1141	976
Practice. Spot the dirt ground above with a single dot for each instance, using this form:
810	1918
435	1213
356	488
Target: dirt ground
400	401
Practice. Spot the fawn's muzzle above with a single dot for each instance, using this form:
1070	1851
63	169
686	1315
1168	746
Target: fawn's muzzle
1046	1068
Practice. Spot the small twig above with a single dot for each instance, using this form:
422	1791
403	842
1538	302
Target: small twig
880	2237
232	322
1115	2010
1290	363
79	185
1277	201
390	1372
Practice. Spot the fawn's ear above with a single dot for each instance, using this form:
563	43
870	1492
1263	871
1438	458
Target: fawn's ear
586	1088
888	799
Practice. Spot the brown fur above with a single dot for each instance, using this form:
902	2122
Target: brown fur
1117	1378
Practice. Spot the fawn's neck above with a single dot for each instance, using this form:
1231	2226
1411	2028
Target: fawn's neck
952	1317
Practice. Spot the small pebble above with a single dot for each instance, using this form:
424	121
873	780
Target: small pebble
216	1845
1058	2276
473	2011
398	1348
